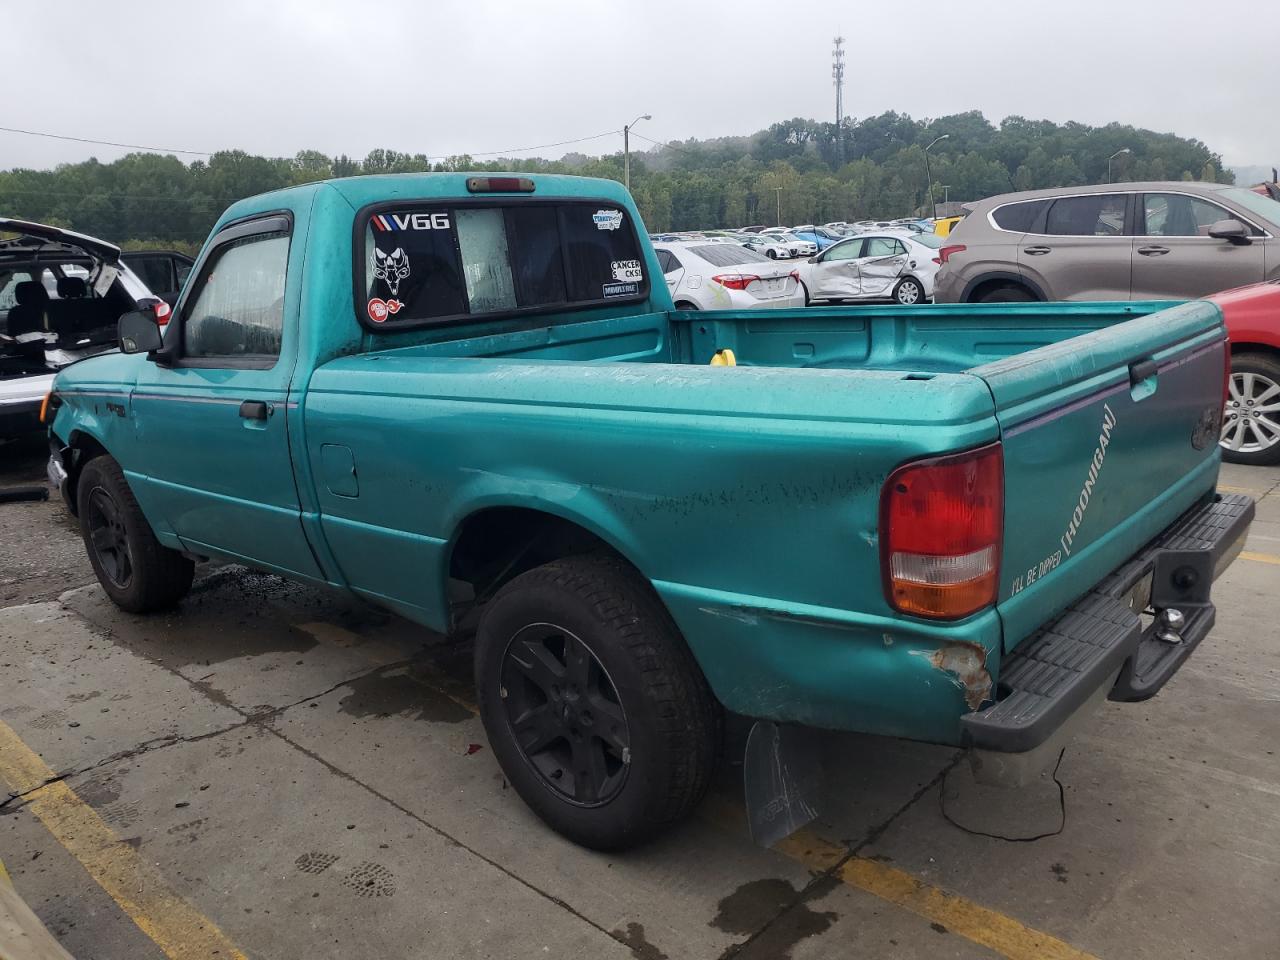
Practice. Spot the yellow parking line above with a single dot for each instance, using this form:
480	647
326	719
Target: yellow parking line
996	931
180	930
1260	557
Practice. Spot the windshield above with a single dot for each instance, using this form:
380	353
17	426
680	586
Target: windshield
1264	207
928	240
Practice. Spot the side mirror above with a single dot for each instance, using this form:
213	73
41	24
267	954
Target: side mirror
1230	229
815	258
139	332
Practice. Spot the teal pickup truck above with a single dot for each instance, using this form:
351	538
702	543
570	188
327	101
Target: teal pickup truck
448	394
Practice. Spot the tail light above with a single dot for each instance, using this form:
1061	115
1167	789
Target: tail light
947	252
937	260
735	281
499	185
941	522
162	311
794	275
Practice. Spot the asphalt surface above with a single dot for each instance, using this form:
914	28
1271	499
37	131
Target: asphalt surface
270	771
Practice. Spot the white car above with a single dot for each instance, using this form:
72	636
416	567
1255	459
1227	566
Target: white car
878	266
804	248
771	245
721	276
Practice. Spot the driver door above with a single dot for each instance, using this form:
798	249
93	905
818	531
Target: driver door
835	275
212	420
882	263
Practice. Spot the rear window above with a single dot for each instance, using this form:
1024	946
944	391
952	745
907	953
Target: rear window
727	254
1018	217
928	240
433	263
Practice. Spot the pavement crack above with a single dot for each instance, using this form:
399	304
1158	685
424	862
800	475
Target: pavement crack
822	882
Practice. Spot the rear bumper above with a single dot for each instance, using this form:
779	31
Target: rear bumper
1101	646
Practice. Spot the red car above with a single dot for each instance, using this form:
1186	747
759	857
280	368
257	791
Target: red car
1251	421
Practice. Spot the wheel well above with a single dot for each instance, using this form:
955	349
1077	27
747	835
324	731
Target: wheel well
1265	349
983	287
686	305
80	451
498	544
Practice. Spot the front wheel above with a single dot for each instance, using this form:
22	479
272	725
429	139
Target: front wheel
1251	420
771	255
908	292
594	707
137	573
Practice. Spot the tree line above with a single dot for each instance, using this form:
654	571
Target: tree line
795	171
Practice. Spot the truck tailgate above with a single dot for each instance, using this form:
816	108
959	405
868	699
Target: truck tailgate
1108	437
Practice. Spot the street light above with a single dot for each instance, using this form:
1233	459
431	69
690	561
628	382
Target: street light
1112	157
933	207
626	150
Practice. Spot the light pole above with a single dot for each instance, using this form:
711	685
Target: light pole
779	190
946	194
933	208
1112	157
626	150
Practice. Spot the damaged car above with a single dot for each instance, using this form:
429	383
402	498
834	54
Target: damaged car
61	294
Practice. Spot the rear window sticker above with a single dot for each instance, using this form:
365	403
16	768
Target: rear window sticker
380	309
607	219
393	222
391	268
621	289
627	270
105	278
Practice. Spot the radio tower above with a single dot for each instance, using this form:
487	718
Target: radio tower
837	77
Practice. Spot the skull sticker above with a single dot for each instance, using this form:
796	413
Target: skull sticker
391	268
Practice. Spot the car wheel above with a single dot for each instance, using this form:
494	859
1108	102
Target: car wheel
137	573
1251	420
686	305
771	254
594	707
1007	293
908	292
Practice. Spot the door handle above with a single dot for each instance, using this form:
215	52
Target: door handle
255	410
1153	251
1036	251
1141	370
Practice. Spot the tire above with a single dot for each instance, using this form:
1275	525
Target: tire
686	305
1007	293
910	288
808	300
1251	421
567	644
137	573
771	255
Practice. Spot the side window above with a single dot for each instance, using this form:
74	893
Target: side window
667	260
8	291
1095	215
849	250
154	272
181	270
237	308
1178	215
884	247
1017	217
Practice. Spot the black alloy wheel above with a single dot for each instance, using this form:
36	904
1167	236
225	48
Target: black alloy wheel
108	537
564	713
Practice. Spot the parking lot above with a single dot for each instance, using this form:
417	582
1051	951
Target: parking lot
274	772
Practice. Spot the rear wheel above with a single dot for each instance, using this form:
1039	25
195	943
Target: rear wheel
771	255
1251	420
1006	293
685	305
908	292
137	573
596	710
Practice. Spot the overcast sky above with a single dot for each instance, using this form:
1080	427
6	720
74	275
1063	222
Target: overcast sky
485	76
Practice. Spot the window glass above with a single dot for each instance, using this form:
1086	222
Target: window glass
884	247
486	264
848	250
182	269
154	272
1178	215
238	310
928	240
727	255
1018	217
667	261
1095	215
437	262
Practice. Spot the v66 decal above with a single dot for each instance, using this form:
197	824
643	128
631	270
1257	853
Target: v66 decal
392	222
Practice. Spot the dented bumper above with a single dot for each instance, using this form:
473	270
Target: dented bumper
1104	647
